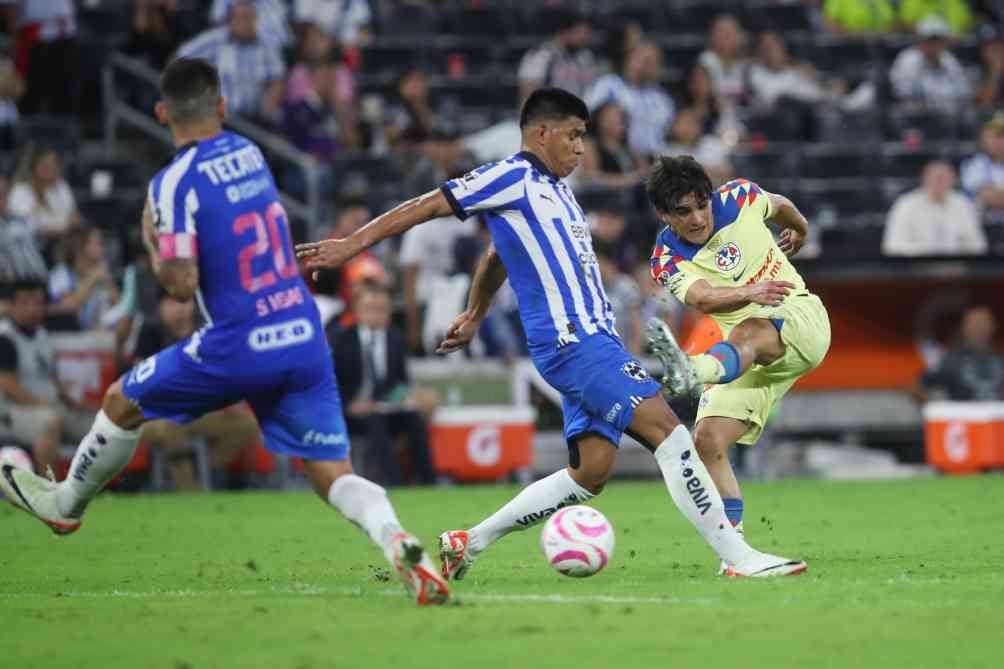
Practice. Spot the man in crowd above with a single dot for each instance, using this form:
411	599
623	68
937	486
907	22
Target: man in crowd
973	370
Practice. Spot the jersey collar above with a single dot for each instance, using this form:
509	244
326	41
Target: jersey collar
537	163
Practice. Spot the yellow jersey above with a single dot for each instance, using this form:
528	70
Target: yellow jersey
741	251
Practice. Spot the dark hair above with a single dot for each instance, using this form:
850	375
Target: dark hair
674	178
25	286
552	104
190	88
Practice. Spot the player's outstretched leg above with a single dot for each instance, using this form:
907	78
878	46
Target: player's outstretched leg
103	453
693	492
366	505
576	484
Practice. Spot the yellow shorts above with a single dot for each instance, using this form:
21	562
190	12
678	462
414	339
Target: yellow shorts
805	330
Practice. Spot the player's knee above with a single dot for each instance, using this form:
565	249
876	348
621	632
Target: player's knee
709	446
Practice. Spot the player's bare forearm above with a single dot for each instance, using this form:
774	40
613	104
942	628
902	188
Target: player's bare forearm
332	253
488	278
787	215
710	299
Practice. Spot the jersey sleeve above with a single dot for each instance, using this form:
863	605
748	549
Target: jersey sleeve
495	186
173	206
739	196
671	271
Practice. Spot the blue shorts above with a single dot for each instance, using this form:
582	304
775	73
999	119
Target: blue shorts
291	391
600	383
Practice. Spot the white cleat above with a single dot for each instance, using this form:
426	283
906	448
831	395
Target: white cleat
416	570
765	565
35	495
454	557
678	374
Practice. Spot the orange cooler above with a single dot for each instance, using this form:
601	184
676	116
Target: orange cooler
482	443
964	437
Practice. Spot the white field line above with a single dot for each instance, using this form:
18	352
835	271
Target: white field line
311	591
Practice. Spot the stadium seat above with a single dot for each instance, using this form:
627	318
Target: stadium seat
822	161
61	133
847	198
776	162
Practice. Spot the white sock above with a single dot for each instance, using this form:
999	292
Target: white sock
533	504
366	505
695	494
102	454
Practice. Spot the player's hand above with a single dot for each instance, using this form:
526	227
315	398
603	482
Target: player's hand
326	254
769	293
790	242
460	333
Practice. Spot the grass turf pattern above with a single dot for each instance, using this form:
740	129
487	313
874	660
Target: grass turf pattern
901	574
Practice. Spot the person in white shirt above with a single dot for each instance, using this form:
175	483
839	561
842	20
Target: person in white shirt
934	219
272	20
640	93
41	197
983	173
724	62
564	61
686	138
927	75
346	21
45	53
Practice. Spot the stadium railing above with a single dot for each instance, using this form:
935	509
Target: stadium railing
120	111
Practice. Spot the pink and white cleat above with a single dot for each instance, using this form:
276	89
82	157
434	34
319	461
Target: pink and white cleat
454	555
779	566
416	570
35	495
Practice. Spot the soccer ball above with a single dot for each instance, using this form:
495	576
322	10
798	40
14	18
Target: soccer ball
12	455
577	541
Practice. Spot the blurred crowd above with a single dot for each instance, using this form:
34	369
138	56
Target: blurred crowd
734	87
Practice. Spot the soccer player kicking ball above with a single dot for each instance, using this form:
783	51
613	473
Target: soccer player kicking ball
541	242
214	228
717	255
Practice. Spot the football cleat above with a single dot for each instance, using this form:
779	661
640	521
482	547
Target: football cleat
454	557
416	570
765	566
678	375
35	495
723	566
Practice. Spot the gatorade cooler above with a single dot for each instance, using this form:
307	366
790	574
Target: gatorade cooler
964	437
482	443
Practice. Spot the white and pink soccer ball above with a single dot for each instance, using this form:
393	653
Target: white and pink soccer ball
577	541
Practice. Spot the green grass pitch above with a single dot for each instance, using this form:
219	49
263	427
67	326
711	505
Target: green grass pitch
901	574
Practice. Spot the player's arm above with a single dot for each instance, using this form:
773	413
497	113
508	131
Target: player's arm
795	226
488	278
332	253
178	275
712	300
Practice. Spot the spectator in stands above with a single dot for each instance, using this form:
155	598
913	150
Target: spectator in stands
373	381
319	109
11	90
41	197
20	258
990	94
620	41
226	431
427	261
608	228
955	13
687	138
271	18
934	219
724	60
638	90
564	61
45	53
409	116
155	35
82	285
625	297
972	371
352	215
608	160
860	17
250	66
39	412
700	96
927	75
345	21
983	174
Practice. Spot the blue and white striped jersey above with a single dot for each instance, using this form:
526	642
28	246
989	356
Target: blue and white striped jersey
543	239
245	68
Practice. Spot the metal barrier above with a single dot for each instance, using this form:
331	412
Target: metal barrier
119	112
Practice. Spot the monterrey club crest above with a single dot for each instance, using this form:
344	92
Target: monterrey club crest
728	257
634	370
